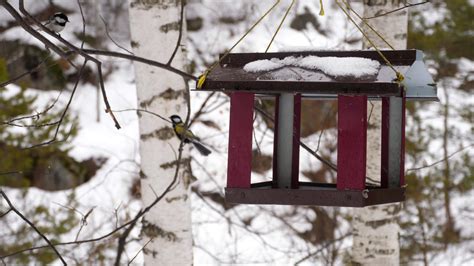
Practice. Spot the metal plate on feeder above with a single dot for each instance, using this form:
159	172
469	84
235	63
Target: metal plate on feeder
230	76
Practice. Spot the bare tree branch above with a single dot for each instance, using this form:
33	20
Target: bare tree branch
12	80
35	116
178	42
10	9
139	251
110	37
5	213
143	111
32	226
397	9
83	24
439	161
59	122
141	60
73	48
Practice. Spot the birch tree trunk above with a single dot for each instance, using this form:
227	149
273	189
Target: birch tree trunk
154	26
376	229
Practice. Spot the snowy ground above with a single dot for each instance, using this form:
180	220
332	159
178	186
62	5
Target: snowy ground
219	238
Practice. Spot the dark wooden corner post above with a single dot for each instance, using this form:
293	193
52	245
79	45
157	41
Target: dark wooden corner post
239	165
393	142
351	142
286	148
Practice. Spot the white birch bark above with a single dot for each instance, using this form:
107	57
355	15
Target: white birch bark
154	28
376	229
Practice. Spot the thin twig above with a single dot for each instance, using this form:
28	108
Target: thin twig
440	161
35	116
397	9
372	106
104	95
83	223
130	262
178	42
5	213
200	111
83	24
11	173
304	146
12	80
110	37
143	111
65	110
321	249
32	226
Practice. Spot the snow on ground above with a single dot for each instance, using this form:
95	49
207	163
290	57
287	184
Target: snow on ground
108	191
219	238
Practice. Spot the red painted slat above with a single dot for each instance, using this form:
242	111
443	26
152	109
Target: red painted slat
296	142
352	141
385	140
239	164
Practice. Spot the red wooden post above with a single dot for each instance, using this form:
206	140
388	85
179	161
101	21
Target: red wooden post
352	141
295	171
239	163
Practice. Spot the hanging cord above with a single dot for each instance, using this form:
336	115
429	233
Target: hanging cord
203	77
279	26
367	24
399	75
321	10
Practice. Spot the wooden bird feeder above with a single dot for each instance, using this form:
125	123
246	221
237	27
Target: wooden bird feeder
289	84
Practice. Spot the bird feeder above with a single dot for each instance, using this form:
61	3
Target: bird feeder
291	76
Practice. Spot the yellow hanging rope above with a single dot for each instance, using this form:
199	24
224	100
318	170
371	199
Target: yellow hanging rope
281	23
399	75
321	10
203	77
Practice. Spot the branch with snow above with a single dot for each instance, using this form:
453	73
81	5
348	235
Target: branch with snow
25	22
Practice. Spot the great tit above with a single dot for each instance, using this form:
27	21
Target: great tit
187	136
57	22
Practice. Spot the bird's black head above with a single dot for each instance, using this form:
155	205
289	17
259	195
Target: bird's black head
61	18
176	119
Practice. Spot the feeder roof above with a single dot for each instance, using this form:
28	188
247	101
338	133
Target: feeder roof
324	74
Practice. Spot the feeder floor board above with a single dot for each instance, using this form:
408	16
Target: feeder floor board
324	195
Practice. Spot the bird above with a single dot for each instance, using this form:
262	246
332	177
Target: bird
187	136
57	22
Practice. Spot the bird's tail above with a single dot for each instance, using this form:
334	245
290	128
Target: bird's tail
201	148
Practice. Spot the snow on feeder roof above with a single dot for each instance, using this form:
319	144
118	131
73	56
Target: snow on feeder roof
324	74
